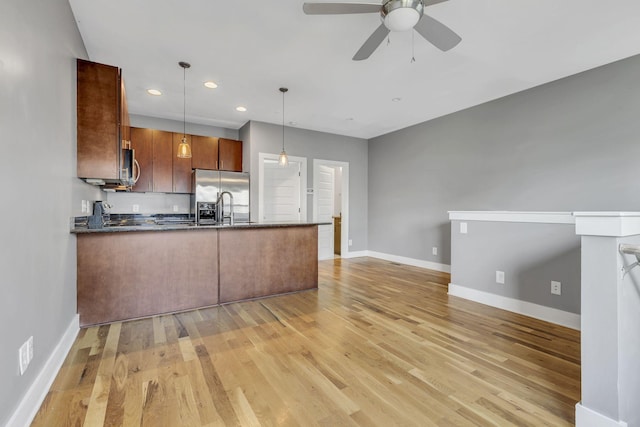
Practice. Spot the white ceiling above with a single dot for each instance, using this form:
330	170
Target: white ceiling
251	48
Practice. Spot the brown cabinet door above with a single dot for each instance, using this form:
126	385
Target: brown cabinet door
205	152
162	161
98	120
125	124
181	167
142	144
230	155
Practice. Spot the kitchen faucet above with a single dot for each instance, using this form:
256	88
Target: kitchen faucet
220	207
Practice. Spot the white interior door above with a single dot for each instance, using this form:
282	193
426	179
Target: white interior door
324	208
281	187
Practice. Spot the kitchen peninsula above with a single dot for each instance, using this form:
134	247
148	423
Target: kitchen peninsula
138	271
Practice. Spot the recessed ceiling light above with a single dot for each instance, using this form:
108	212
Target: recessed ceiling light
154	92
210	85
396	99
241	109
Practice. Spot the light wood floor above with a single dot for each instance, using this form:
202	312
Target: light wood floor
378	344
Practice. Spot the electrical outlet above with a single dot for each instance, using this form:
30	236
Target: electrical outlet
556	288
136	208
25	355
463	228
350	242
175	208
434	250
500	277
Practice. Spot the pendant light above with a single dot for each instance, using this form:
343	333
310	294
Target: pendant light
184	150
283	160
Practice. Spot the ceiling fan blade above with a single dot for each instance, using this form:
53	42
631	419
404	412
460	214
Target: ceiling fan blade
339	8
372	43
436	33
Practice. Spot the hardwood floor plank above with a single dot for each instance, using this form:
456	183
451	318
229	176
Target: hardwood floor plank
378	344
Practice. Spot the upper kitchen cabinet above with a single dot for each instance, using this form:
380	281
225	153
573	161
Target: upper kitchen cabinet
162	161
205	152
181	167
230	155
99	104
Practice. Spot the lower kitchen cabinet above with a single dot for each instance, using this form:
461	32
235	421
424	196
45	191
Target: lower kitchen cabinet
131	274
267	261
136	274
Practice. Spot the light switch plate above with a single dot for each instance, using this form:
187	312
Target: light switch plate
463	228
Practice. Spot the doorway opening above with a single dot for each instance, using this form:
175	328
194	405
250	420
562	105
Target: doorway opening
331	204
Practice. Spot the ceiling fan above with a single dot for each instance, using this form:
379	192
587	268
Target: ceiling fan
396	15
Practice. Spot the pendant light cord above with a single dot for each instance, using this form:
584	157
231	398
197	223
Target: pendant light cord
184	102
282	119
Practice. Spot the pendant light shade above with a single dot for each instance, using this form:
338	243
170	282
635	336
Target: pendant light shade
283	160
184	149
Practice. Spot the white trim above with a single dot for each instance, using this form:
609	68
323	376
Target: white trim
411	261
586	417
344	232
33	398
354	254
303	183
548	314
615	224
509	216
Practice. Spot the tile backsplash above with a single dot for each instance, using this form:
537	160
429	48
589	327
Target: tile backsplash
147	203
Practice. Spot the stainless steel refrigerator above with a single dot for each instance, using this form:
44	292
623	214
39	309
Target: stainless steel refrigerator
208	184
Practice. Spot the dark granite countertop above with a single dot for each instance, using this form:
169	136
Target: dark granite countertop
141	223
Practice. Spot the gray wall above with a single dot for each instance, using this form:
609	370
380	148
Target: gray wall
168	125
39	42
267	138
568	145
531	255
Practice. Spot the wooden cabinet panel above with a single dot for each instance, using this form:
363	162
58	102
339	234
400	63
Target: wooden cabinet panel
205	152
98	120
125	124
162	161
135	274
267	261
142	144
230	155
181	167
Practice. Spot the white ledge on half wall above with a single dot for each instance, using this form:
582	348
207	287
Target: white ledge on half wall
513	216
614	224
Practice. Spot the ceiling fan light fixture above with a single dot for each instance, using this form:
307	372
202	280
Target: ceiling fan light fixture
401	15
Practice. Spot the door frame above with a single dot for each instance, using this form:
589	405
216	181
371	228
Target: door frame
303	182
344	230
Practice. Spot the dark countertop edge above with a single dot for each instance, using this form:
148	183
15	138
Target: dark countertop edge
240	226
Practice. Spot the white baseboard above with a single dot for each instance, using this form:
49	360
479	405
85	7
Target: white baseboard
30	403
586	417
548	314
445	268
356	254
